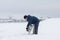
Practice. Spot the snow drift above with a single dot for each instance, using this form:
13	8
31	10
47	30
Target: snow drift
51	26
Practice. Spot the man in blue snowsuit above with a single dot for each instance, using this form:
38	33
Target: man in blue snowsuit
32	20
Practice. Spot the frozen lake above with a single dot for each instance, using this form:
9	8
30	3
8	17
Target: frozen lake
48	30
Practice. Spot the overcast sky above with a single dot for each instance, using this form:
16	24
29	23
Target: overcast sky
42	8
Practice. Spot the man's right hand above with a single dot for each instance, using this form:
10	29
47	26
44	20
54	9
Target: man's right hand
27	29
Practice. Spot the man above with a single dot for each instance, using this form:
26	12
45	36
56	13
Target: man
32	20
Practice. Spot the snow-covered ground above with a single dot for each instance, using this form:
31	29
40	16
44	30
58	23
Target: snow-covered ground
48	30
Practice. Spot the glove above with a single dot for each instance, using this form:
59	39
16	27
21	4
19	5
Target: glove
27	29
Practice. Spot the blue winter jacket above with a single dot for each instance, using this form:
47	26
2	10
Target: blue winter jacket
32	20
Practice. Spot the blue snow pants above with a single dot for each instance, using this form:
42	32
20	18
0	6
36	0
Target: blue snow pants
35	30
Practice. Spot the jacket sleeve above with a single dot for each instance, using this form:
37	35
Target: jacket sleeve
29	23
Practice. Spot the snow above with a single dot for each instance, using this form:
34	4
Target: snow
48	30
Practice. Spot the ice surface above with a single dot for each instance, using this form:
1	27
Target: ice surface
48	30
